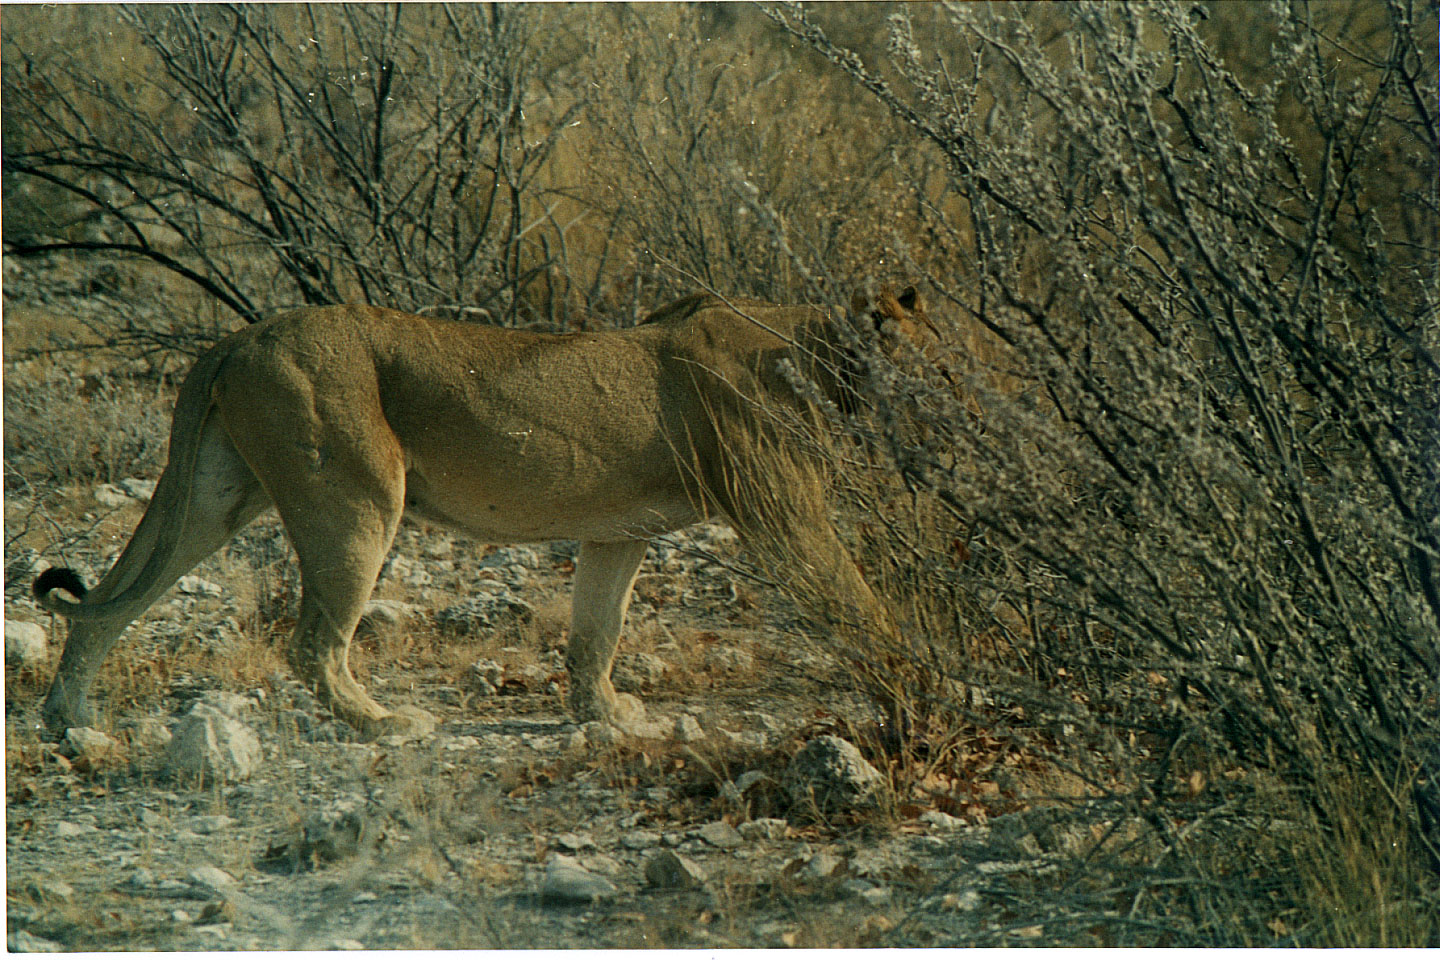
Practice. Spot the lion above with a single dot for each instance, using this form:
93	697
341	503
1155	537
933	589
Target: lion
346	419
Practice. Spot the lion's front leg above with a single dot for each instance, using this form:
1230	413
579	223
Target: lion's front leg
604	574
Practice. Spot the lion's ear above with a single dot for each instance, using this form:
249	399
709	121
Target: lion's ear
909	299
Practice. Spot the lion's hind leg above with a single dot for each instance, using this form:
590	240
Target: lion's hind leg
223	497
341	509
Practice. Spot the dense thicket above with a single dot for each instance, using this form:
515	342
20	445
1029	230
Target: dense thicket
1160	504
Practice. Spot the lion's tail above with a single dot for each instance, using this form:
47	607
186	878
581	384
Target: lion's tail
171	497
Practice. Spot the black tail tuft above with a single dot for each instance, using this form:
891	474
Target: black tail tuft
59	578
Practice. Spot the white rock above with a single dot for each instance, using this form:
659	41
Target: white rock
341	829
832	774
942	822
688	729
111	496
718	833
575	841
211	823
233	705
821	865
389	613
199	587
511	556
766	828
640	839
65	829
211	881
150	733
138	488
636	672
568	882
22	941
212	746
26	644
89	743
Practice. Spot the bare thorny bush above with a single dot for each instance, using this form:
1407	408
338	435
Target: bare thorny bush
284	155
1158	510
1204	484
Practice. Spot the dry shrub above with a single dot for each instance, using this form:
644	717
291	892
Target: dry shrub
1199	519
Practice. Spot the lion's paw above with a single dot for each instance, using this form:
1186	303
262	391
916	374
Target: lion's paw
409	722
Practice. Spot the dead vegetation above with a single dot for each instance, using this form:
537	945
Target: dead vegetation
1151	519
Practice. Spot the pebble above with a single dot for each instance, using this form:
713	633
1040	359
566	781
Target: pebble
575	841
688	729
832	774
211	880
209	746
720	834
568	882
670	871
90	744
942	822
26	644
22	941
765	828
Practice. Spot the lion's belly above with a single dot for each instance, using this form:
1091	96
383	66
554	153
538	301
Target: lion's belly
530	502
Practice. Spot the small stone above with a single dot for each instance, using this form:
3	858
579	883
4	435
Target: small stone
211	881
766	828
600	863
212	823
89	744
51	891
720	834
22	941
68	830
637	672
138	488
568	882
26	644
511	557
688	729
110	496
576	742
236	705
199	587
210	746
821	865
485	610
831	773
942	822
575	841
389	613
640	839
346	944
670	871
966	901
339	830
150	733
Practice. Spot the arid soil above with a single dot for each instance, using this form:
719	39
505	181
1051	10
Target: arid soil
510	826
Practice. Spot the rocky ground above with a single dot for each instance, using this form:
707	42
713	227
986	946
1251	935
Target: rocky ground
219	807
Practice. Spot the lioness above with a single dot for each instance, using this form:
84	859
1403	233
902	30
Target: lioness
347	418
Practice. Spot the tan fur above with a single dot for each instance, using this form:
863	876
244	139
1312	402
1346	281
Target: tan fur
347	418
